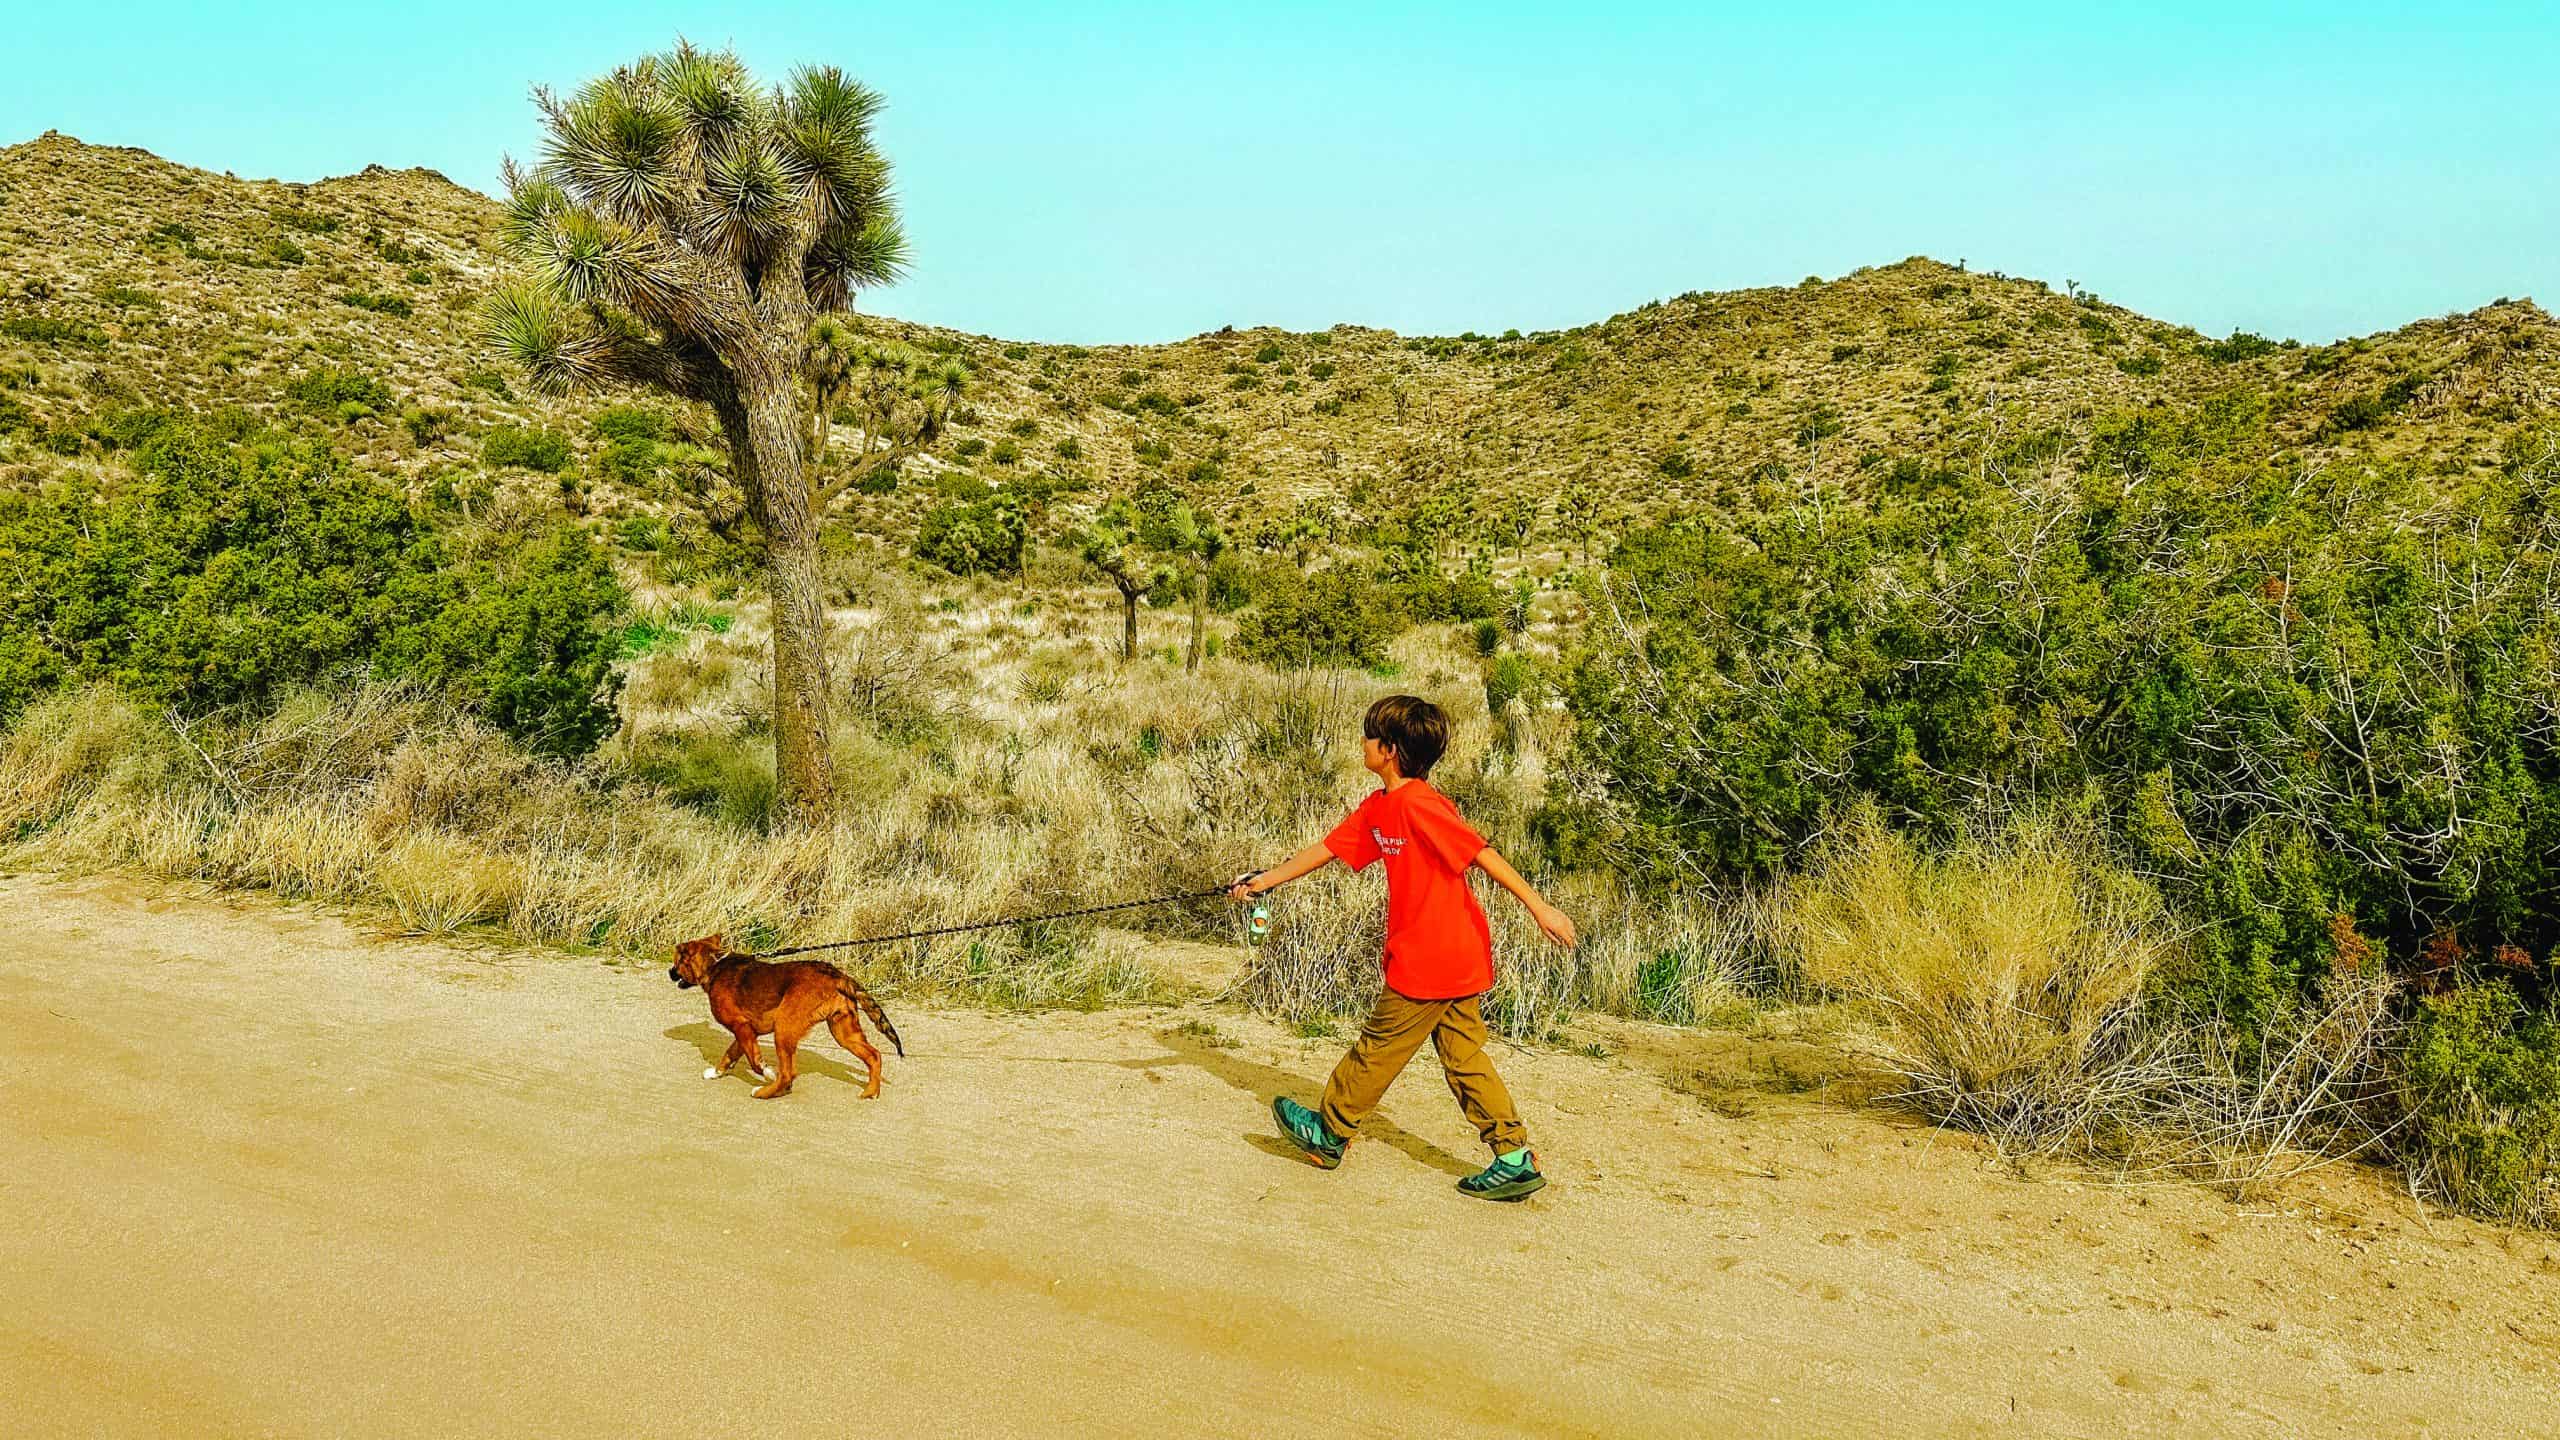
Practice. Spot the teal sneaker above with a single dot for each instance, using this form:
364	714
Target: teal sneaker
1506	1179
1306	1130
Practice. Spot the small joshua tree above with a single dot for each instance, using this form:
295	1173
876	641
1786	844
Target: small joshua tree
1112	544
1178	528
692	232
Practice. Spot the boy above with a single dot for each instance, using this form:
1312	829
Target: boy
1439	950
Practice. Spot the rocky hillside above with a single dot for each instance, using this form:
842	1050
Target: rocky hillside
345	308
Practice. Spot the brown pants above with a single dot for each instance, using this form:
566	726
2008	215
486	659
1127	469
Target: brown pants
1389	1038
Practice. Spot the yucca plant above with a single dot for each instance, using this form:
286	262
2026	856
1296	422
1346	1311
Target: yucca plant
693	232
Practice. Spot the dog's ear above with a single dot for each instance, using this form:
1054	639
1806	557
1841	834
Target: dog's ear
714	942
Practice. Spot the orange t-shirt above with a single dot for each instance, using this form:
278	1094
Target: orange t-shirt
1439	946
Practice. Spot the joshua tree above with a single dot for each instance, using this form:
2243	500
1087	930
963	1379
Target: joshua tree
690	231
1112	545
1188	533
1513	519
1580	509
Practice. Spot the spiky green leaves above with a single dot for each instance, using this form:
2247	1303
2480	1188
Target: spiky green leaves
747	202
847	259
824	133
558	348
717	98
621	146
680	210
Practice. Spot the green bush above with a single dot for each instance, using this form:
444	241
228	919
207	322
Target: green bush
396	305
2481	1078
527	447
2282	685
631	463
310	222
53	330
327	388
631	422
218	574
2242	345
986	537
1336	616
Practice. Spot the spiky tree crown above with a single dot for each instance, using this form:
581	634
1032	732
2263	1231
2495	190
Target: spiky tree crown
681	213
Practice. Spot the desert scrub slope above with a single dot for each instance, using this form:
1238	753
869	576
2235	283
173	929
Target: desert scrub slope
344	308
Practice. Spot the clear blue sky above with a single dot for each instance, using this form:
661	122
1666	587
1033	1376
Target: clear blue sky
1140	173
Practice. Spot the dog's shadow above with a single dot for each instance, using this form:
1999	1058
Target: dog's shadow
1265	1081
713	1042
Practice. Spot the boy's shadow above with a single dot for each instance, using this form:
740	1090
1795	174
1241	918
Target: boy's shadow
1265	1081
713	1042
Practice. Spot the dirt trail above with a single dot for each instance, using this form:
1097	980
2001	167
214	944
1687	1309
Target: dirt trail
263	1175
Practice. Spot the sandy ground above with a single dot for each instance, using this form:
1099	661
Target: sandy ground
262	1173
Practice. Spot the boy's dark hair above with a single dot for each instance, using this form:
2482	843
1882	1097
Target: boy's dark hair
1413	730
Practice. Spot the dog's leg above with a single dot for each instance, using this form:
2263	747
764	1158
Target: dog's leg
848	1033
736	1049
745	1045
786	1068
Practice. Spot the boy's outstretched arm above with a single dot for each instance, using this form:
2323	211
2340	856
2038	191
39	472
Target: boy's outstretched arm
1554	923
1306	862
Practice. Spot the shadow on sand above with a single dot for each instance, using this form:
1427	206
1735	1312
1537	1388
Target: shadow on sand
1265	1081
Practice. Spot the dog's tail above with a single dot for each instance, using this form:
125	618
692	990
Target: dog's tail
861	998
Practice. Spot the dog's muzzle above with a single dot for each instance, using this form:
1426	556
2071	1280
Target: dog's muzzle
681	982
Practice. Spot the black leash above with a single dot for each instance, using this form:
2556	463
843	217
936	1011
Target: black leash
989	924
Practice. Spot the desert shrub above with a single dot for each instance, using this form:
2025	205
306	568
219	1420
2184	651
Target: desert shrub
53	330
730	777
631	422
2005	970
2242	345
394	305
528	642
2176	656
2481	1079
424	426
309	222
1337	616
326	388
984	537
218	575
631	462
2364	411
528	447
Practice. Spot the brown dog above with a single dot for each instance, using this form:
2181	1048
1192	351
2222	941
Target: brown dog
751	998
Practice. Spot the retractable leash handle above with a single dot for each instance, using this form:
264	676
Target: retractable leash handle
1257	915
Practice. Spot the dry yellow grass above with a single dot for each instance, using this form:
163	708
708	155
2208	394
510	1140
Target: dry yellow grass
2005	970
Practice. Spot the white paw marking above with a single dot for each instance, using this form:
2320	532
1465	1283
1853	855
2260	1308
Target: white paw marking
710	1072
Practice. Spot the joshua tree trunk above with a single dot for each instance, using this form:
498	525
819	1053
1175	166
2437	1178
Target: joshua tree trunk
1199	616
767	432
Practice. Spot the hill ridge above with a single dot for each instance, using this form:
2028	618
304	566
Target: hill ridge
128	279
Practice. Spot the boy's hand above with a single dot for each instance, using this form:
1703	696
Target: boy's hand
1239	889
1555	925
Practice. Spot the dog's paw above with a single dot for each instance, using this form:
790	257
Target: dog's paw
710	1072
